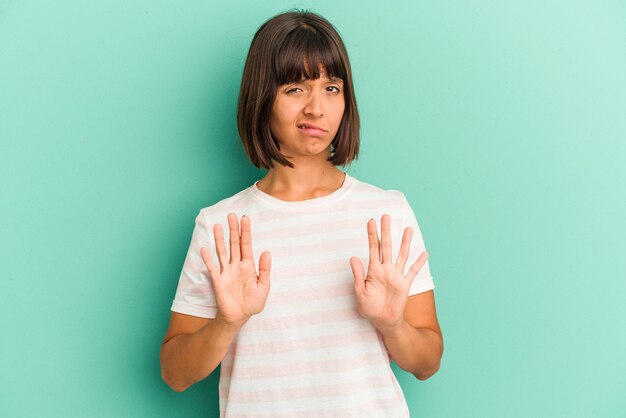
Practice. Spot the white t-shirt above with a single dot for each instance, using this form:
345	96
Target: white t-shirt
308	353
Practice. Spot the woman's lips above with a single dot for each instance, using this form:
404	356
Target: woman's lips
311	130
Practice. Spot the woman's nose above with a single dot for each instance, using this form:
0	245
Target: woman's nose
313	106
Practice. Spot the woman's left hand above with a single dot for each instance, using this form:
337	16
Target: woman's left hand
382	294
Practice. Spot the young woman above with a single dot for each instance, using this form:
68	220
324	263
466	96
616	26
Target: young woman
344	300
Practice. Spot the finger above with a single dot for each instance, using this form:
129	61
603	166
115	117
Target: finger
358	272
265	265
233	226
220	247
405	248
246	239
372	238
385	237
417	266
209	263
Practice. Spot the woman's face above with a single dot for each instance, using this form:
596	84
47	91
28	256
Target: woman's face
306	115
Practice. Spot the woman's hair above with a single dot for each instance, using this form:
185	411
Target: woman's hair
285	49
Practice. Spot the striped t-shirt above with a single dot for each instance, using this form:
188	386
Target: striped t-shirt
308	353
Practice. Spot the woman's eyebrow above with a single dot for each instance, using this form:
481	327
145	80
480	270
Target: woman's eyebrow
331	79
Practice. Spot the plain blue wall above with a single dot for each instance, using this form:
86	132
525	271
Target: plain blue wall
502	121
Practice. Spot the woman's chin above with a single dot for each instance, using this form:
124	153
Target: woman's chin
308	151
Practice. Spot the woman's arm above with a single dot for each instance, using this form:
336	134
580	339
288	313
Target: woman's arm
408	324
416	345
192	349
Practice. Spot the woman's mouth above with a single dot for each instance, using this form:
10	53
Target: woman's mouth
311	130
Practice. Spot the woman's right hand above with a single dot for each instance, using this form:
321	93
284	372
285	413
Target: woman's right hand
239	291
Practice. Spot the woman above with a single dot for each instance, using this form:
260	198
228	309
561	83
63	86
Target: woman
342	302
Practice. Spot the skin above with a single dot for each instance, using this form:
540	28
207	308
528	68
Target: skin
320	102
193	347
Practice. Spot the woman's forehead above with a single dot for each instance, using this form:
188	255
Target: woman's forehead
306	74
296	67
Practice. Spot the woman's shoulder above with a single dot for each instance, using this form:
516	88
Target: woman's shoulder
239	203
373	191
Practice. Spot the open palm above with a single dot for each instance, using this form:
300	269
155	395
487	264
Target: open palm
382	293
239	291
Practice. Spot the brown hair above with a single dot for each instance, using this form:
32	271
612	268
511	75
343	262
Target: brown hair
280	53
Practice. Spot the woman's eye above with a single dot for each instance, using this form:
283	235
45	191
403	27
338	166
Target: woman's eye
292	90
334	89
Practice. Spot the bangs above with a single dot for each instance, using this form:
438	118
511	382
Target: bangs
303	47
289	48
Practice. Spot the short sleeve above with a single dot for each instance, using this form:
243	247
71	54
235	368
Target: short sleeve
423	282
194	295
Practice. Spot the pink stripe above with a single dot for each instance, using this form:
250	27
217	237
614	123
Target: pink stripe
378	206
190	288
332	226
332	266
319	248
261	323
295	296
390	405
259	217
305	369
361	339
310	270
328	390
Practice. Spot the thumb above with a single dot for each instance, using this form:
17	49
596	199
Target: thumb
265	264
358	272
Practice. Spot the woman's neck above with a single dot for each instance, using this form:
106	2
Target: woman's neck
301	182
